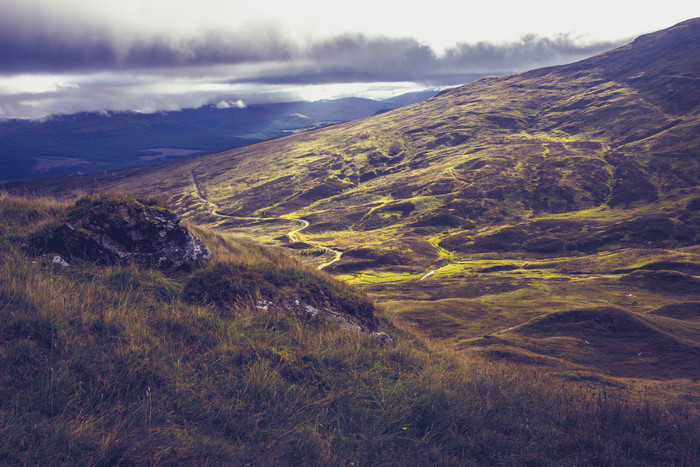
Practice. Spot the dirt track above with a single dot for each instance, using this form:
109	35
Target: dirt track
292	234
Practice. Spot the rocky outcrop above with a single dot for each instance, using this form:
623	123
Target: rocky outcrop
280	288
302	310
117	229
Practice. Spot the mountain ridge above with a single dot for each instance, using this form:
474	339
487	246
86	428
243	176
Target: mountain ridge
512	122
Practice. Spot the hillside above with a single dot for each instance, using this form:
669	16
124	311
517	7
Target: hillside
610	138
103	363
492	205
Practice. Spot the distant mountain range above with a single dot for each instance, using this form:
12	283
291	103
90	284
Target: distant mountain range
94	142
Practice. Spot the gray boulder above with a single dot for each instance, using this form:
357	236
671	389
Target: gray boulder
119	229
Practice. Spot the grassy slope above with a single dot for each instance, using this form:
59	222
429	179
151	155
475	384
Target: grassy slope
501	149
106	365
588	141
536	172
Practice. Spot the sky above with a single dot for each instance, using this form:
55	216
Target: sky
69	56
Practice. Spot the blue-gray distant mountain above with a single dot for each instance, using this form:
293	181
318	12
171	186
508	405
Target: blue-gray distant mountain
94	142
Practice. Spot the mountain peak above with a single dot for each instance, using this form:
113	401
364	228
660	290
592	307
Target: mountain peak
663	66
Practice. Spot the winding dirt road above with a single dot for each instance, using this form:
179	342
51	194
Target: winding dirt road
430	273
587	276
293	235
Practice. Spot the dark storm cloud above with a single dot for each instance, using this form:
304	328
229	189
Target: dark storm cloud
65	64
41	53
36	48
530	51
358	58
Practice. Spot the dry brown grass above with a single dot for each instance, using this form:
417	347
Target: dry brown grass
105	365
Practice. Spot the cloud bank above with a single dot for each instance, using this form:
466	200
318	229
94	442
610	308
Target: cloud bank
50	65
373	57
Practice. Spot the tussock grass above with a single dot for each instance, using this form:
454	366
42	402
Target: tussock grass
247	271
21	215
106	365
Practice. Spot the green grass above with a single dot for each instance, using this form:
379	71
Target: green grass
107	365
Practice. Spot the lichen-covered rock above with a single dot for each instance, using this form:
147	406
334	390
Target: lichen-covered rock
118	229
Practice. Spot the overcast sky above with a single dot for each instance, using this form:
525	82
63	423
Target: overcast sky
67	56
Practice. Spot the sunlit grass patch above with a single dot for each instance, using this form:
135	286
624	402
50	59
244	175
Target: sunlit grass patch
376	277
